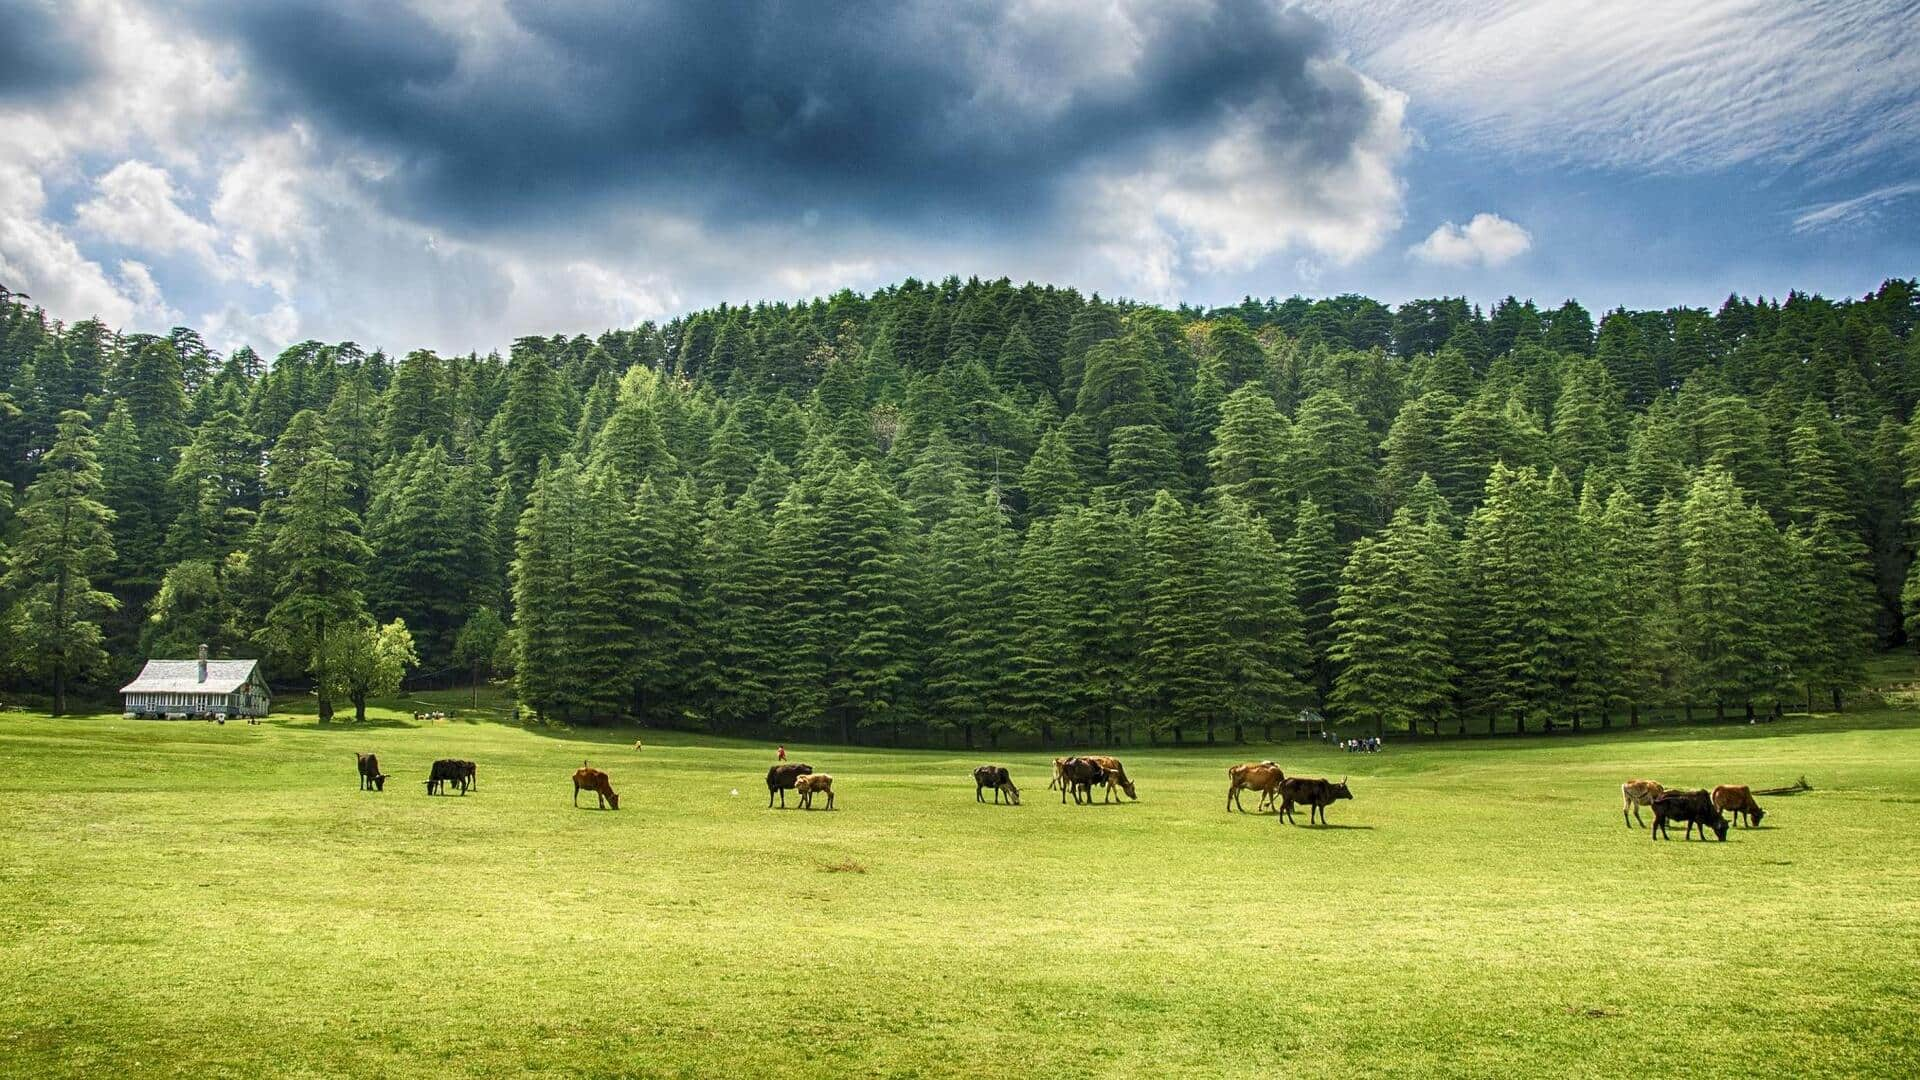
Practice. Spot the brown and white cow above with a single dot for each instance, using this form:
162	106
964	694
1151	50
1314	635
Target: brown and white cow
1737	800
1261	776
1638	793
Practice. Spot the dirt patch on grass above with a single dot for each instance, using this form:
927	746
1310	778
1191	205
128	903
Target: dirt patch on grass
844	866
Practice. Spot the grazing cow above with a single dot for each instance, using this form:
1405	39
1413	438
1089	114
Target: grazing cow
1737	799
448	772
1078	776
587	779
371	778
1116	774
1316	795
805	786
1693	807
1059	775
1262	776
781	778
995	777
1638	793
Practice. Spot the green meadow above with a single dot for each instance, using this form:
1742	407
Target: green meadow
191	899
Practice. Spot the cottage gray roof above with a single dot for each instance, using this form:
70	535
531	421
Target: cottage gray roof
183	677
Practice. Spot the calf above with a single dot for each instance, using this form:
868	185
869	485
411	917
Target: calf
1638	793
1316	795
1692	807
805	787
1737	799
782	778
587	779
1262	776
995	777
371	778
448	772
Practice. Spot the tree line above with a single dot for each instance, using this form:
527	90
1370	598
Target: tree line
968	509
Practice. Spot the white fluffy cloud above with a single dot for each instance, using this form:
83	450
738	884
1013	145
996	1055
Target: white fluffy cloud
1487	240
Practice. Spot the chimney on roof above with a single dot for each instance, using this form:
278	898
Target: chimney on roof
203	663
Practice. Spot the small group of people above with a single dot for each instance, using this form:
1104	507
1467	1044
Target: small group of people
1369	745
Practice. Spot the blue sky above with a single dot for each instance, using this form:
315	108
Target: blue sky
453	174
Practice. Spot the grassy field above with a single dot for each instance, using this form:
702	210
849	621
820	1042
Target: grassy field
184	898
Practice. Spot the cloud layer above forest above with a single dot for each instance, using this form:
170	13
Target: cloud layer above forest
454	173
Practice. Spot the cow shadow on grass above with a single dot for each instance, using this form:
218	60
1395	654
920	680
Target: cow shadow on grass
1356	828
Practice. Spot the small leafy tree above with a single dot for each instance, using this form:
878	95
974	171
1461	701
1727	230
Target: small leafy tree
478	643
369	660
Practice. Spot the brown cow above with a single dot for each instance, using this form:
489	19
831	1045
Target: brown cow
1262	776
1316	795
782	778
1077	778
805	786
1638	793
1695	808
371	778
586	779
1737	800
1116	775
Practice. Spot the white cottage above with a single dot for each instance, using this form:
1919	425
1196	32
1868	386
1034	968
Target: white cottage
203	687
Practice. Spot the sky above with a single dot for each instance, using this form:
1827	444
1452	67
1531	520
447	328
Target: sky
452	174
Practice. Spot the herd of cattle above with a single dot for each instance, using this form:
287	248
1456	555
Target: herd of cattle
1700	808
1076	777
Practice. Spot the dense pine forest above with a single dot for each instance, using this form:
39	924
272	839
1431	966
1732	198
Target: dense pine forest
963	510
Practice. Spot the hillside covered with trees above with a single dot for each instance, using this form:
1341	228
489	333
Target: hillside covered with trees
966	509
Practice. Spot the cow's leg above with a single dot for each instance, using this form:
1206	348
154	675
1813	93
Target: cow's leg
1233	790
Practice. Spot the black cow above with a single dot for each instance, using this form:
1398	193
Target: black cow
1079	775
995	777
371	778
1315	794
781	778
448	772
1693	807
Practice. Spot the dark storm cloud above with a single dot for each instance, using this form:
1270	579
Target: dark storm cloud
746	107
40	53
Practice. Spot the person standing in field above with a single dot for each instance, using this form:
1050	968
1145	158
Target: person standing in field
780	752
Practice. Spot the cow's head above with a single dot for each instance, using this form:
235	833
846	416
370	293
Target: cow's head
1340	790
1758	814
380	782
1013	793
1720	828
612	799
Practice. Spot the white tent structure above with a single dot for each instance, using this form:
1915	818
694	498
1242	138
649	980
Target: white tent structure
202	687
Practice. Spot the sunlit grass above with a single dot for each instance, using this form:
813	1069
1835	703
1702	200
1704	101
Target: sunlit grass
221	900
